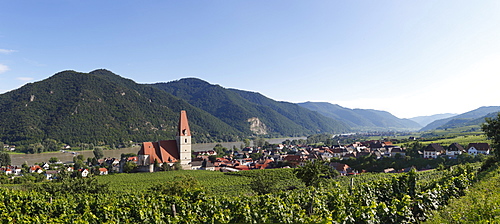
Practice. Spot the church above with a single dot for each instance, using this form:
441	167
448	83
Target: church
168	151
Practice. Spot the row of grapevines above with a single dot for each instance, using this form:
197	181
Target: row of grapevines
394	200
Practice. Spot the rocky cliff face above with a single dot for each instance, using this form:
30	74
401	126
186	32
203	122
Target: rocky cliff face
257	126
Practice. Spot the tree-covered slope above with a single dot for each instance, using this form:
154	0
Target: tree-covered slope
462	119
361	118
236	107
93	108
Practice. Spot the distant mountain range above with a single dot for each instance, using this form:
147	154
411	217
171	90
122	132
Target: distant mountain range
362	119
101	107
425	120
473	117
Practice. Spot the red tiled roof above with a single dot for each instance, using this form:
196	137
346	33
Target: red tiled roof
163	151
183	125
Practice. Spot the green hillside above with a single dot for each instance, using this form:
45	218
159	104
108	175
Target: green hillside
235	107
99	108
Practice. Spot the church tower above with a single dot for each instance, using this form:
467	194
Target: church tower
184	141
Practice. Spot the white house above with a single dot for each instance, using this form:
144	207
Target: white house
84	172
433	150
454	150
478	148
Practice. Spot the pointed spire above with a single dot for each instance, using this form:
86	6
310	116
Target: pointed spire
183	125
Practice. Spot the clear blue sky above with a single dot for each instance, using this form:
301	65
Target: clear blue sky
410	58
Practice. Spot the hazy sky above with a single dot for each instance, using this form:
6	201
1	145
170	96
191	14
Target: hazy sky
410	58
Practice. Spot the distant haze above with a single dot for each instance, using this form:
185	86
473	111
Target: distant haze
425	120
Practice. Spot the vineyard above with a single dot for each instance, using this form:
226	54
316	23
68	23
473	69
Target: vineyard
129	198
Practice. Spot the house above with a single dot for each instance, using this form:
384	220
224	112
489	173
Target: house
349	156
196	165
103	171
36	168
207	165
46	166
398	150
168	151
50	174
341	167
7	171
17	170
478	148
294	160
263	164
433	150
84	172
454	150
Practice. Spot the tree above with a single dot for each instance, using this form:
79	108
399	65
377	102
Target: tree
129	167
212	158
413	148
50	144
98	153
53	160
260	142
126	155
220	150
4	159
35	148
492	129
246	141
314	173
255	156
180	186
177	166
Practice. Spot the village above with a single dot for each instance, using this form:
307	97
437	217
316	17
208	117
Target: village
277	156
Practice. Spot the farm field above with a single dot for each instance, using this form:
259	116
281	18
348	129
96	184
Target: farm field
462	140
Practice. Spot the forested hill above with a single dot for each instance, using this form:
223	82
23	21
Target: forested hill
362	119
237	107
99	107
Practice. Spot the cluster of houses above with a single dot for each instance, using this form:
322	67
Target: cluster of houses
292	156
51	170
296	155
435	150
9	147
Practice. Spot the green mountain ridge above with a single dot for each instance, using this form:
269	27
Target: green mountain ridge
235	107
91	107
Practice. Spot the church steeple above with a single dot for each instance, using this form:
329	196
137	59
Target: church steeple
183	125
184	141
